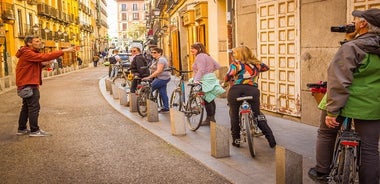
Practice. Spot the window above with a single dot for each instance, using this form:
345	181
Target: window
135	16
124	16
124	25
20	26
123	7
134	7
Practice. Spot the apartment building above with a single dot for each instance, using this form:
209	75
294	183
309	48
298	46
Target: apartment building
130	22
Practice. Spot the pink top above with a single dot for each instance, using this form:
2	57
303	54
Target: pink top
203	65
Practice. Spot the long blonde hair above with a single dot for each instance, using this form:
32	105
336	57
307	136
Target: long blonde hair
245	55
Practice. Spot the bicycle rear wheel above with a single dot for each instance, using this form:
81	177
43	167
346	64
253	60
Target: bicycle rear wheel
194	112
141	101
175	100
349	167
120	81
248	122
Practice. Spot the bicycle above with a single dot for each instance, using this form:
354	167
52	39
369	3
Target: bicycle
144	92
193	108
248	124
346	158
123	77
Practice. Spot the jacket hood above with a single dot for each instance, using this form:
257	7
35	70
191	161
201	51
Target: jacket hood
21	51
369	43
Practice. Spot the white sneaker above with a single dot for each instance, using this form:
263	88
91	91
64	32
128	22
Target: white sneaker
39	133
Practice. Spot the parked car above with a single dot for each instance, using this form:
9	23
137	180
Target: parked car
125	59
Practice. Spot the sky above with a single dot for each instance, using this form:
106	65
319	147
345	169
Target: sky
112	18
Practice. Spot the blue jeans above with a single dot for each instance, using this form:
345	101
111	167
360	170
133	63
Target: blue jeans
29	111
160	85
114	71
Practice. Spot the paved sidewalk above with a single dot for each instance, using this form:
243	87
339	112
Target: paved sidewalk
239	167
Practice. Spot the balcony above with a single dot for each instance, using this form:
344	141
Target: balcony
32	2
54	13
43	9
7	13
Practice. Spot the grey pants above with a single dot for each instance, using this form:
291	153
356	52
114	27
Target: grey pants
368	131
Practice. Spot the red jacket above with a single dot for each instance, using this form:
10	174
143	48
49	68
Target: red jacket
29	67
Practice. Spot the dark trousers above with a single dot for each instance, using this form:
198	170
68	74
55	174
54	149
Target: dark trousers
134	84
30	110
368	131
210	108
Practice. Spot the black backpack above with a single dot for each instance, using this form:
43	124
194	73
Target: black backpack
112	60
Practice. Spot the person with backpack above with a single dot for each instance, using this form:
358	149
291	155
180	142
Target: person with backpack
139	68
114	63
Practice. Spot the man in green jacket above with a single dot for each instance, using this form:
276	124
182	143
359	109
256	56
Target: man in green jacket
353	91
28	75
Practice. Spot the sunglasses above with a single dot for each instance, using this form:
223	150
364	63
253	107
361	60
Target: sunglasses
154	52
134	50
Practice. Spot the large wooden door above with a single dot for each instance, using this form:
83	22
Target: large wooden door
278	45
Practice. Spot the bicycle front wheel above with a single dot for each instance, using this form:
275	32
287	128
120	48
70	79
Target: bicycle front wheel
194	112
141	101
119	81
175	100
349	167
248	122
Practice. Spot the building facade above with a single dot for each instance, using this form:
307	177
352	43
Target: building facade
130	22
291	36
59	24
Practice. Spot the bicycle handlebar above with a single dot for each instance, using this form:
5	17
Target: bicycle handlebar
180	71
317	85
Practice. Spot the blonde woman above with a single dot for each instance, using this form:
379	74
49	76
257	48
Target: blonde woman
244	71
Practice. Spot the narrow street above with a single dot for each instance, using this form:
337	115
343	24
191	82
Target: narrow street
91	141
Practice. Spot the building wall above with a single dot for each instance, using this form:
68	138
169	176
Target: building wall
317	51
135	28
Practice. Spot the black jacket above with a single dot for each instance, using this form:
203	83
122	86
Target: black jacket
138	62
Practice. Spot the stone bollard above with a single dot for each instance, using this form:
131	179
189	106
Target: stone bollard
177	122
152	111
220	145
288	166
115	94
132	102
123	96
108	84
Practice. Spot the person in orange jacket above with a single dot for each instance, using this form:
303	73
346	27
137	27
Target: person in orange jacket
28	76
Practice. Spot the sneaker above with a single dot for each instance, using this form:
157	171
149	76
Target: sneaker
236	143
317	176
39	133
23	132
163	111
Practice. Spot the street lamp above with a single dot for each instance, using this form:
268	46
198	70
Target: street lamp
35	27
47	30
